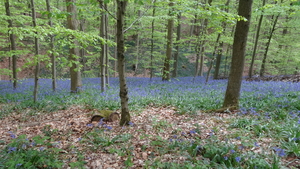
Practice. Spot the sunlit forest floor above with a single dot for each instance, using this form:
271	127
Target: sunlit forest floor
171	127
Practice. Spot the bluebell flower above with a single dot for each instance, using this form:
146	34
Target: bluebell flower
11	149
225	158
280	152
256	144
109	127
192	132
89	125
130	123
232	151
42	148
238	159
18	165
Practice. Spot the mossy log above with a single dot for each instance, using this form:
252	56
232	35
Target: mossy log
106	115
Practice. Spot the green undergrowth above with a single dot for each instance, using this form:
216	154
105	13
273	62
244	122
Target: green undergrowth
264	133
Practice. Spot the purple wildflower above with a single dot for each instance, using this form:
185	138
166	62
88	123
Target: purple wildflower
89	125
238	159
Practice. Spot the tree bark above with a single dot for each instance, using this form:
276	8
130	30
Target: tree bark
238	56
263	65
12	46
176	54
166	68
37	60
220	46
152	41
75	74
256	42
52	56
125	115
103	47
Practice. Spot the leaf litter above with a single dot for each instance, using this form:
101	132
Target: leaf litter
150	131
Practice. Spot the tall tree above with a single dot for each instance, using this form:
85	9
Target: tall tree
125	115
152	40
166	68
75	74
256	41
238	56
53	57
263	64
176	54
37	49
220	46
12	45
103	46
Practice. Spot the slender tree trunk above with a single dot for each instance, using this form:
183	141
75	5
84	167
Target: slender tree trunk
263	65
238	56
175	65
52	56
137	46
152	41
166	68
203	34
106	51
220	46
125	115
76	81
82	51
37	60
256	42
12	46
103	48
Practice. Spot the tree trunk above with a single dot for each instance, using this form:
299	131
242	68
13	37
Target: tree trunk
238	56
52	56
256	42
263	65
75	74
37	60
166	68
103	48
125	115
106	50
12	46
220	46
152	41
175	65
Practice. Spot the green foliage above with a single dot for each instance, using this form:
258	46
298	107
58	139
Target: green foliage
35	153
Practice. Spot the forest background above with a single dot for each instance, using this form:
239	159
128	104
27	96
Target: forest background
162	41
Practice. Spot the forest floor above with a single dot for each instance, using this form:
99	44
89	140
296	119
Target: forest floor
154	137
70	130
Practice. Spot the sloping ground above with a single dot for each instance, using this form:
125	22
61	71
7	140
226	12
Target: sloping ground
146	140
285	78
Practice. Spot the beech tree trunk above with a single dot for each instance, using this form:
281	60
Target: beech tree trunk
125	115
166	68
238	56
12	46
176	54
103	48
152	41
75	74
256	42
220	46
37	60
263	65
52	56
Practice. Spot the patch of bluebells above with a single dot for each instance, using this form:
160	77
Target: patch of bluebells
280	152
